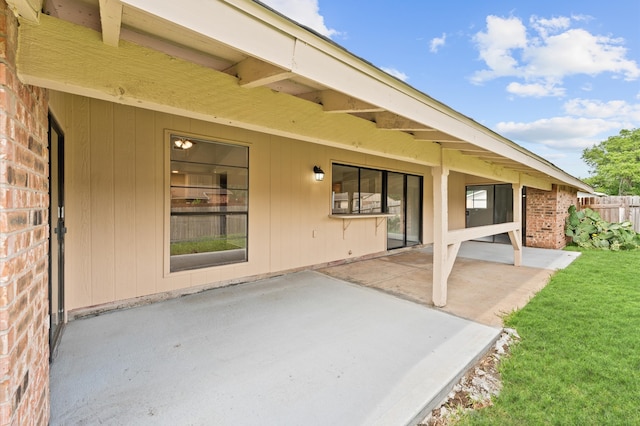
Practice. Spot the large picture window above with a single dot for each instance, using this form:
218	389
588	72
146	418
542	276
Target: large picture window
209	189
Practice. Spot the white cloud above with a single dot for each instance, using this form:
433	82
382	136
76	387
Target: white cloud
558	132
553	25
394	72
586	122
437	43
621	111
576	51
548	53
496	46
535	90
305	12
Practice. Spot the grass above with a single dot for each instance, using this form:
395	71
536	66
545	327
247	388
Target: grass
579	359
206	245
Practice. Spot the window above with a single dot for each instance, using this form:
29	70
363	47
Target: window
398	196
476	198
209	189
356	190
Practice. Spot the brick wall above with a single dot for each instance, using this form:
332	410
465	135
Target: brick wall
24	309
546	212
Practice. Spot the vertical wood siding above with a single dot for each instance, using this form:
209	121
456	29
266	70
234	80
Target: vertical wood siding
117	203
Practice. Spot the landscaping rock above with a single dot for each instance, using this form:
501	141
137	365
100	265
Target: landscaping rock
476	388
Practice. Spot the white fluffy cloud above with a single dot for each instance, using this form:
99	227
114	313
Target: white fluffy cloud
586	122
437	42
542	55
536	90
394	72
497	45
621	111
558	132
305	12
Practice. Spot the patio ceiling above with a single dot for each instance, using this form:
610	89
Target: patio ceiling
332	97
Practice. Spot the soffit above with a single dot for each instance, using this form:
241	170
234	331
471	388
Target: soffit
284	72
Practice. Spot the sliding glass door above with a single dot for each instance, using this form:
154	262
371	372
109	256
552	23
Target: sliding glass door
404	201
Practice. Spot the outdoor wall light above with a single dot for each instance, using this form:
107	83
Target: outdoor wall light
319	173
183	143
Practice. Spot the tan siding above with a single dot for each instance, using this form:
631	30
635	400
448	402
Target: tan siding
102	203
78	204
427	210
125	202
457	201
144	222
118	206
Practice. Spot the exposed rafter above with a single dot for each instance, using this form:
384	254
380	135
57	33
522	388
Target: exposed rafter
436	136
111	21
333	101
390	121
254	73
27	9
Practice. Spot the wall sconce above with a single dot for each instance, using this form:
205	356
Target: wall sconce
182	144
319	173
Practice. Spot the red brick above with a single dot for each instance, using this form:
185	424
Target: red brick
23	248
4	319
546	213
7	341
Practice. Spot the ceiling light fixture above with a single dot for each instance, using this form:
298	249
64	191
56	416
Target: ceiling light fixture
183	144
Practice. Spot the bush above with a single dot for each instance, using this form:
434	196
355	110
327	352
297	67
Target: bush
588	230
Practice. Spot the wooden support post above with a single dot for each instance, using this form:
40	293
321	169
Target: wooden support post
516	236
441	266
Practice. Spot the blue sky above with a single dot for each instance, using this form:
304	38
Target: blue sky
553	76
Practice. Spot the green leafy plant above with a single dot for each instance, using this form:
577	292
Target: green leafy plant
588	230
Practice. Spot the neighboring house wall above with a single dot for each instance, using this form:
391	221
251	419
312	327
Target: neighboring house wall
24	348
546	214
117	216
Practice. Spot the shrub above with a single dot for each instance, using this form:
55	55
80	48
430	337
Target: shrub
588	230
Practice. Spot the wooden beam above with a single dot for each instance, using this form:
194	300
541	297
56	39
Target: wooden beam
333	101
145	78
26	9
529	180
390	121
472	165
516	235
436	136
254	73
111	21
441	252
467	234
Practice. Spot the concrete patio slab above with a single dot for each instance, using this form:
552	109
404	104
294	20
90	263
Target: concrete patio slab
483	285
303	348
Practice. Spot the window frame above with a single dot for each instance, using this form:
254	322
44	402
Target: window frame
167	188
383	204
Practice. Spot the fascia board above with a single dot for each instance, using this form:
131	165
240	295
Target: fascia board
279	41
229	25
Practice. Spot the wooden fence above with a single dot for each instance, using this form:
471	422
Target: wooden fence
615	209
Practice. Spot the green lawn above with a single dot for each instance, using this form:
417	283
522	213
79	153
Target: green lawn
207	245
579	359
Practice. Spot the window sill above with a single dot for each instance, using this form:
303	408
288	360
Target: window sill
346	219
360	216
